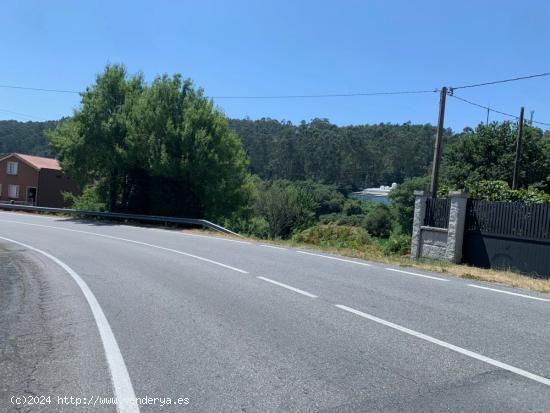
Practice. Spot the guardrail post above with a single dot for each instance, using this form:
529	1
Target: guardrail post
457	221
418	221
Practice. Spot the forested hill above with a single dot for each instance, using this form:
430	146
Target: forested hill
350	156
25	137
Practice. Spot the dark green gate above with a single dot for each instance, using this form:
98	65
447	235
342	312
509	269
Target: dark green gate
508	235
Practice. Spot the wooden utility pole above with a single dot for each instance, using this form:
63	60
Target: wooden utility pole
438	139
518	150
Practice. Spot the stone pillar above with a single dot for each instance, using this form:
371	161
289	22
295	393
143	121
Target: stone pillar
418	221
457	221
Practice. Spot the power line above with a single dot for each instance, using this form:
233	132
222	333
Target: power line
38	89
402	92
494	82
491	109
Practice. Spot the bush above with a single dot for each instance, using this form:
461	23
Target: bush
379	221
341	219
255	226
352	207
500	191
89	200
398	244
334	236
285	207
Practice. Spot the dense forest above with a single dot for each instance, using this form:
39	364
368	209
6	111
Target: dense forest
26	137
351	157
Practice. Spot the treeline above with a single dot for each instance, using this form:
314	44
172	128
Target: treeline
26	137
351	157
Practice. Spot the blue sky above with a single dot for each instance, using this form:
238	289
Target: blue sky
286	47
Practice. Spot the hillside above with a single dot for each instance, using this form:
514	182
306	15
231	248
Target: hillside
25	137
349	156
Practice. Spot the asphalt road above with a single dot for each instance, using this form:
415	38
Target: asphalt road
241	326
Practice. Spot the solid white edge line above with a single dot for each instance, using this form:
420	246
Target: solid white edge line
334	258
122	385
288	287
418	275
132	241
508	292
449	346
272	246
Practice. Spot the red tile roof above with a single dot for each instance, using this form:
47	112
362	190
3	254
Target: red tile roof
39	162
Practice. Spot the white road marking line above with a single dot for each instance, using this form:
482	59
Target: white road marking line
449	346
122	385
134	242
272	246
418	275
508	292
296	290
334	258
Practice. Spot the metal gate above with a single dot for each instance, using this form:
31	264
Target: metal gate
508	235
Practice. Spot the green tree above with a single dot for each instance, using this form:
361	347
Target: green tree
379	221
487	154
403	200
286	207
161	148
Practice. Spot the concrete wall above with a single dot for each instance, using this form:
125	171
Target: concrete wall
439	243
433	243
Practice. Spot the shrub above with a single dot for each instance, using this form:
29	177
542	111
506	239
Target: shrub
341	219
352	207
89	200
500	191
255	226
379	221
286	208
334	236
398	244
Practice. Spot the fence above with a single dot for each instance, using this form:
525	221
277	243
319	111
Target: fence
508	235
115	215
511	219
437	212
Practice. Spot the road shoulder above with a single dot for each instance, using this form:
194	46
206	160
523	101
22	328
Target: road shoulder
50	344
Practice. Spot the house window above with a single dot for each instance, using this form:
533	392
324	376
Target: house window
13	191
12	168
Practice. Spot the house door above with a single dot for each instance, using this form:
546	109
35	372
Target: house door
31	195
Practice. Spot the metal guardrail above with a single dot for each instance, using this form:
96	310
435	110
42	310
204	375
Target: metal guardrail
134	217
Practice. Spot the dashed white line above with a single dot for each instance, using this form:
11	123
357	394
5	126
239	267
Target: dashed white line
133	242
288	287
418	275
272	246
122	386
335	258
508	292
449	346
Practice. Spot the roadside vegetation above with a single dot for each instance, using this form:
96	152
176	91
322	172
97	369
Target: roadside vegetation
164	148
